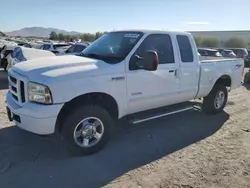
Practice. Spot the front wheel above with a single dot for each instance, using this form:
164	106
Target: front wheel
215	102
88	129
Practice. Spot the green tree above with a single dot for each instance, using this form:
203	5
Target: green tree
198	41
98	35
53	36
235	43
61	37
88	37
67	38
210	42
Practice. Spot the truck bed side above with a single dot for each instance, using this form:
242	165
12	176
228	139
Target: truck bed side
212	70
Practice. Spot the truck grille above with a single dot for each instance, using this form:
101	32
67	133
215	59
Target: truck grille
17	89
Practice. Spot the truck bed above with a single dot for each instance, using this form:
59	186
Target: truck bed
212	70
209	59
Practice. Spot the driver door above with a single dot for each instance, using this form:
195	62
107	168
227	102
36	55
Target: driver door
153	89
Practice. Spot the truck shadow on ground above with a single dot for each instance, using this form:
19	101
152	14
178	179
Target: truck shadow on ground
246	85
3	80
28	160
246	82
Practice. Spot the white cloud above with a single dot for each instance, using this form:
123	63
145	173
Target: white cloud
197	23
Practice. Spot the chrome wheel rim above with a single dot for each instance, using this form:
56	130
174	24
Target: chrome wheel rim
219	100
88	132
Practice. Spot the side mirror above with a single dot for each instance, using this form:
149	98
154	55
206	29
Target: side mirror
149	62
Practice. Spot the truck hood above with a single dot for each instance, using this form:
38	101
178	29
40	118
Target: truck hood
59	67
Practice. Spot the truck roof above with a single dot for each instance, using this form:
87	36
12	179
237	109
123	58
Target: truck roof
151	31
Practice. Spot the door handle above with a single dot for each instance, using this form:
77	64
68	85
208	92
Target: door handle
173	71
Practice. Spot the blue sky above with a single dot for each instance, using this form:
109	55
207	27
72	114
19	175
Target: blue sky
106	15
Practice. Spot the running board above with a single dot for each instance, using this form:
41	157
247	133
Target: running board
194	107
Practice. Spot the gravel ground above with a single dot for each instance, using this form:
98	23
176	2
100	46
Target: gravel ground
185	150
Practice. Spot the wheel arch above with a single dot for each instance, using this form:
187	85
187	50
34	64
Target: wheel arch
105	100
224	80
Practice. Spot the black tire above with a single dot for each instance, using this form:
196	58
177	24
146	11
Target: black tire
5	64
247	77
73	119
209	101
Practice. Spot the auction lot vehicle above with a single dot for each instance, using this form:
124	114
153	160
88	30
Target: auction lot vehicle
247	59
22	54
227	53
76	49
57	49
122	74
4	52
209	52
240	52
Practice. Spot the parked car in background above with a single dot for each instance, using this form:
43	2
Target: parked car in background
247	59
76	48
21	54
24	44
209	52
36	45
4	52
2	43
240	52
227	53
57	49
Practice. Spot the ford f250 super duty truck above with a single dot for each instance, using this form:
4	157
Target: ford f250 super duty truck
122	73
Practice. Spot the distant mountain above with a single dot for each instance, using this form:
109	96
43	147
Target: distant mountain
38	32
2	34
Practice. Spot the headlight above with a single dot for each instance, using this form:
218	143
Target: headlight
39	93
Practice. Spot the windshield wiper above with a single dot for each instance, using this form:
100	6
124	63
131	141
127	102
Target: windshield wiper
101	57
95	56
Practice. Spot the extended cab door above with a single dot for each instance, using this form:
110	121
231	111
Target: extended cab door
189	67
152	89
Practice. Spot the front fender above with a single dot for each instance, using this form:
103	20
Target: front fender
68	90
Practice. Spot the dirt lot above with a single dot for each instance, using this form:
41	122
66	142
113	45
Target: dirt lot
186	150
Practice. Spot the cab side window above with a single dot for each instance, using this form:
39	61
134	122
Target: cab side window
161	43
185	48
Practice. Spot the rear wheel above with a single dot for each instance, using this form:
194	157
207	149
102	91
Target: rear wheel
88	129
216	100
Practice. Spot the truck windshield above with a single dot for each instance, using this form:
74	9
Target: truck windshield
112	47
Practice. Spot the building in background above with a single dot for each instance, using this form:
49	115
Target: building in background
223	36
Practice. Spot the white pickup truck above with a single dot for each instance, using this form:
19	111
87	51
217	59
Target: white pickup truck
122	73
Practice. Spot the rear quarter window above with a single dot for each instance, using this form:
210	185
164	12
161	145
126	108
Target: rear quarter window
185	48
